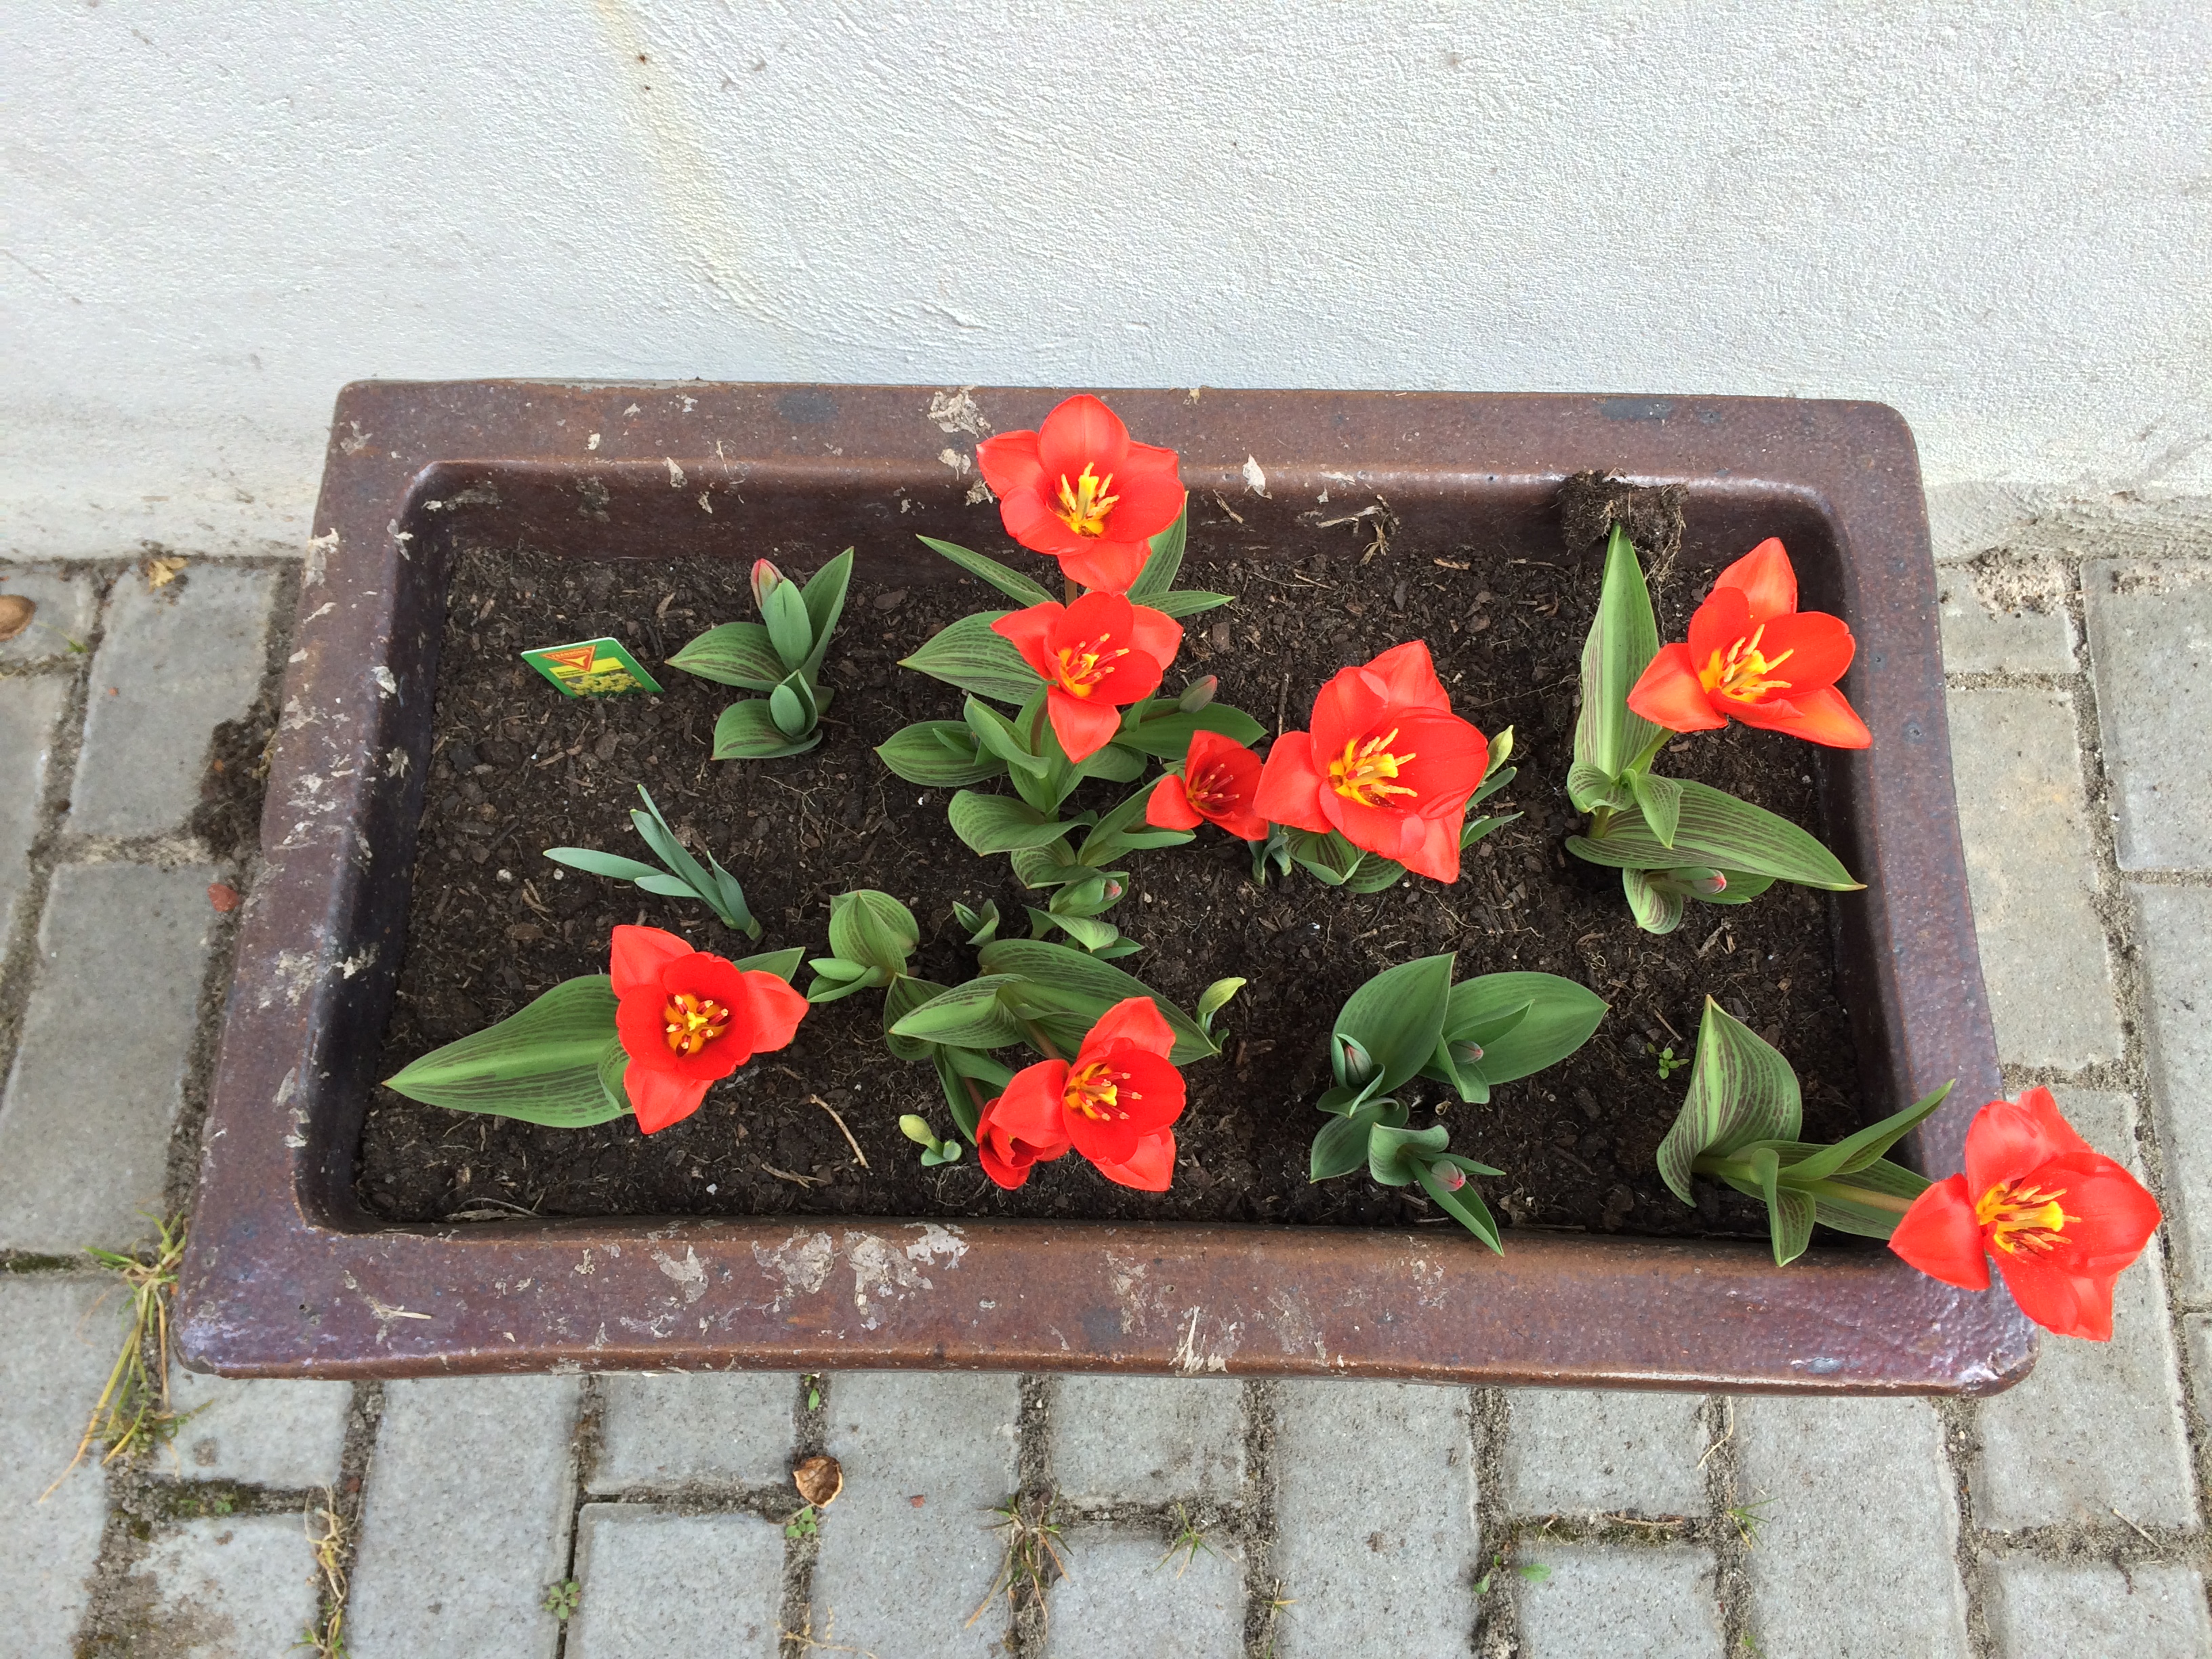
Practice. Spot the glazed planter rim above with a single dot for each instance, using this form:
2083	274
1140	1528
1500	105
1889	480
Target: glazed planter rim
287	1275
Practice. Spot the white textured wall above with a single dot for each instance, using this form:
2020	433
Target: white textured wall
1997	217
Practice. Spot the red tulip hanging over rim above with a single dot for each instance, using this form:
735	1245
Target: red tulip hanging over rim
1115	1103
1386	764
687	1019
2060	1220
1095	657
1079	490
1753	656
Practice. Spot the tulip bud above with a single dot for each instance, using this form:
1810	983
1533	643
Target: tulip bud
1449	1176
1353	1063
914	1128
1467	1053
766	578
1114	891
1198	694
1711	882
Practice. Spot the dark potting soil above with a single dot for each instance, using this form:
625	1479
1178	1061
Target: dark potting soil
517	768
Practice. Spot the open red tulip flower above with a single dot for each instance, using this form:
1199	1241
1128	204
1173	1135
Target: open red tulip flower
1077	489
687	1019
1113	1103
1386	763
1095	657
2061	1221
1220	780
1753	656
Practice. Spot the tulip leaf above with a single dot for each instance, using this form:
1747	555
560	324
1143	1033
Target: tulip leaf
541	1064
1790	1213
1341	1145
782	963
1091	933
1168	736
936	753
997	734
956	1068
969	1016
824	597
1048	865
1373	874
1718	829
1214	998
1662	801
1856	1152
1559	1016
1869	1201
786	708
1009	583
1387	1149
968	654
1094	985
1331	859
1741	1090
873	928
1657	910
1110	836
1117	762
790	630
1189	601
902	997
1166	561
1623	637
1589	788
745	731
1397	1015
998	823
601	864
736	654
1466	1206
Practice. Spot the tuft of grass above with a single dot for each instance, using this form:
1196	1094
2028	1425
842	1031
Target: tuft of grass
1189	1538
327	1536
1031	1558
132	1411
1748	1520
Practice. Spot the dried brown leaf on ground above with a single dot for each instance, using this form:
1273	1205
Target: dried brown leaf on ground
819	1480
16	614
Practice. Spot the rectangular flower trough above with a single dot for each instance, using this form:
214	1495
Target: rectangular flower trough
288	1275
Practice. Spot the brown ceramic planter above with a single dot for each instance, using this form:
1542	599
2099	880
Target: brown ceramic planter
288	1276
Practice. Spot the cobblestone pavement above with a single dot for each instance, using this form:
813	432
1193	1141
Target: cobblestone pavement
1199	1517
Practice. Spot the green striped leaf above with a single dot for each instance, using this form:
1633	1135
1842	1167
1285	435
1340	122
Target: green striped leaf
1718	829
544	1065
1011	583
1741	1090
1623	637
968	654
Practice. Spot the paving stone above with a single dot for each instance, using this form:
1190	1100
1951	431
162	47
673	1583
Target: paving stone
84	1124
1148	1439
1375	1516
2172	926
1584	1450
898	1576
1857	1513
2097	1425
666	1430
68	601
657	1583
1120	1601
2030	869
2046	1609
2150	638
465	1520
2006	617
30	712
265	1432
1622	1603
173	663
235	1587
52	1364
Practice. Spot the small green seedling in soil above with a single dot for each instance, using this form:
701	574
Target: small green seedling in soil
1533	1572
933	1150
1668	1064
813	1392
679	876
780	655
563	1600
1189	1538
803	1524
1748	1520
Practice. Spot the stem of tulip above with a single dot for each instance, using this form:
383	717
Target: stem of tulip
1067	587
1043	1042
1861	1195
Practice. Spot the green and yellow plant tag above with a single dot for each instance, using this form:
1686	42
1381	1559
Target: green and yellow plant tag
592	668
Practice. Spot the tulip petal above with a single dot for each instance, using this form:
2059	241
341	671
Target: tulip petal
1135	1020
1084	725
1669	693
1030	633
1028	1108
2059	1302
1409	677
1821	717
635	956
1009	465
1145	498
774	1009
1820	648
1348	709
1721	622
1448	758
2110	1214
1290	786
1155	633
1437	856
2010	1138
1081	432
1008	1172
1940	1236
1102	566
1150	1168
1765	578
660	1098
1168	807
1029	519
1386	831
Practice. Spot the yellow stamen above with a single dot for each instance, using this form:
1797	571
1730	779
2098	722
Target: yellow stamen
2018	1214
693	1022
1082	666
1094	1090
1364	771
1742	674
1084	504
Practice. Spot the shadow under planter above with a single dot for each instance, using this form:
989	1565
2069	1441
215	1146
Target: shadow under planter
288	1275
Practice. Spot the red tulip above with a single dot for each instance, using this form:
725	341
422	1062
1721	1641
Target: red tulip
1386	763
1094	656
1080	490
2062	1221
1114	1104
687	1019
1219	780
1754	655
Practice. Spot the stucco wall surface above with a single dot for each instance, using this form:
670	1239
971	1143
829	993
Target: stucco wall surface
1998	218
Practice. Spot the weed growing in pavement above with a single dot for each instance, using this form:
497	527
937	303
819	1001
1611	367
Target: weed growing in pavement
1189	1538
1747	1521
1533	1572
562	1599
1032	1558
326	1534
133	1409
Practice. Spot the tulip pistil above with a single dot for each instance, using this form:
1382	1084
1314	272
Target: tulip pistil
1742	674
1364	771
1094	1091
693	1022
1082	666
1210	789
2020	1214
1084	504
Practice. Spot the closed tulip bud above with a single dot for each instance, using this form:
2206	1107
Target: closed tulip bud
1199	693
1467	1053
914	1128
1449	1176
1354	1064
766	578
1708	884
